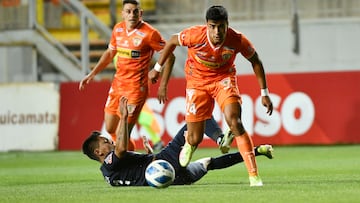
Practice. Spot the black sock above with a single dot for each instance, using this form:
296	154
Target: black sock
256	151
225	161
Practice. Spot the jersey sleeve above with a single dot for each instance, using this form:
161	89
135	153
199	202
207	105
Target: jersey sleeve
191	36
112	43
186	36
246	48
156	42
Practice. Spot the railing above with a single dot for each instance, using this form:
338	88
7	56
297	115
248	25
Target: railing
24	16
87	20
172	11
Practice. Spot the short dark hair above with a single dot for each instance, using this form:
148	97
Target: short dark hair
90	144
135	2
217	13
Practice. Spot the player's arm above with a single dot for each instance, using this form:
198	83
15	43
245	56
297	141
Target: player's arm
147	146
122	132
168	49
260	75
166	73
104	60
167	59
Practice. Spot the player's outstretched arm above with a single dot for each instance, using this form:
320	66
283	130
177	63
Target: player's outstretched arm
122	132
105	59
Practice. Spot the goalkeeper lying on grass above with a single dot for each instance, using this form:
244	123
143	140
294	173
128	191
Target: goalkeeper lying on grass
121	167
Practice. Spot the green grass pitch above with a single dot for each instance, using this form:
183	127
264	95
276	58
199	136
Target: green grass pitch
296	174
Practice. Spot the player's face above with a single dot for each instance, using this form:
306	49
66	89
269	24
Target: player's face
217	31
131	15
105	145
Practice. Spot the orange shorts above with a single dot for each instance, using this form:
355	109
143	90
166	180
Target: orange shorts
135	104
200	99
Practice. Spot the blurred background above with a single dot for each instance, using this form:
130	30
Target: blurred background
57	42
290	35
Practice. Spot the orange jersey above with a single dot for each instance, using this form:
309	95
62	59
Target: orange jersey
206	63
134	51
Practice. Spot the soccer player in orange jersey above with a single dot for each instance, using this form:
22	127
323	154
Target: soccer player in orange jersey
134	41
211	75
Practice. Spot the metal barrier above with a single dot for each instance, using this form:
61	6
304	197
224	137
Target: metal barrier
23	16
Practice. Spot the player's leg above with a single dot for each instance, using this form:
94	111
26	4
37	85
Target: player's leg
111	116
172	150
111	123
211	128
131	144
134	108
199	107
213	131
228	160
197	169
232	112
193	137
229	100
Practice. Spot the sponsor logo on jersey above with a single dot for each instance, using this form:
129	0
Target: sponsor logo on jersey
128	53
140	33
209	64
120	29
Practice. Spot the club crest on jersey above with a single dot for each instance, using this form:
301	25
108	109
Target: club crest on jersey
108	159
131	108
226	56
227	53
136	41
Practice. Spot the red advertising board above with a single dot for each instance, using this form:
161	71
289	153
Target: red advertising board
80	112
309	108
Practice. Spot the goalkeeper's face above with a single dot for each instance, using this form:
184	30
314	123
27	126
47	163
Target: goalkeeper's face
217	31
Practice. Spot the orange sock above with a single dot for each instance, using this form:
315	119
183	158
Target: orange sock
131	145
246	149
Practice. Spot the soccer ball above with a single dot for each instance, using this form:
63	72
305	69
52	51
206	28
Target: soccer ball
159	174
